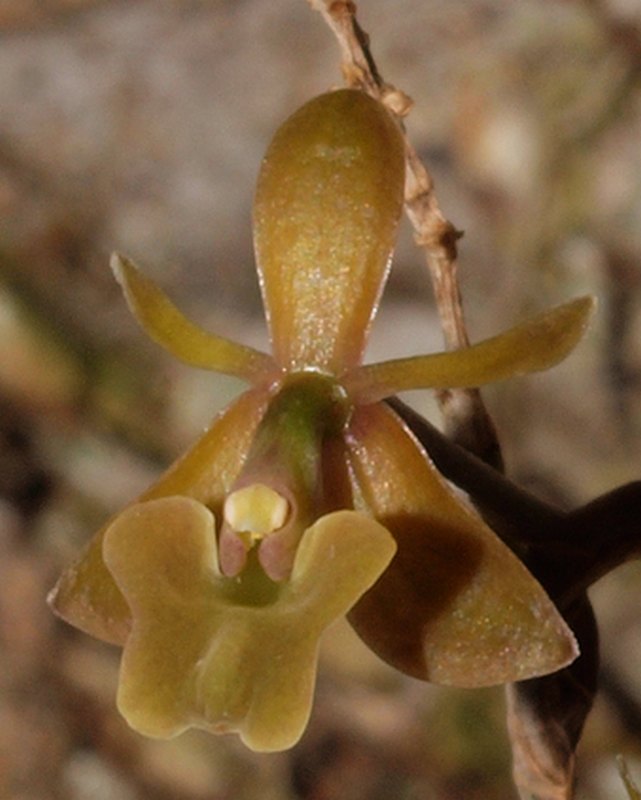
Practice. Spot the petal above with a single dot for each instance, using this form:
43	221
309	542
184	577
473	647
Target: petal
197	657
86	595
329	198
165	324
455	606
537	344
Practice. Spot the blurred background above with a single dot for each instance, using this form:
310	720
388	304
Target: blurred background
139	125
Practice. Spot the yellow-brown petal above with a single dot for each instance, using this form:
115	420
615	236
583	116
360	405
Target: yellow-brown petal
86	595
536	344
329	197
167	326
455	606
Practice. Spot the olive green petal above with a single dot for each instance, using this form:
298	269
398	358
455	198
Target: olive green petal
534	345
165	324
455	606
197	654
86	595
328	202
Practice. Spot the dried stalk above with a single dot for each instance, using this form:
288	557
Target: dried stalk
466	419
545	716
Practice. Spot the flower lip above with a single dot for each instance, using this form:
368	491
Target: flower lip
230	655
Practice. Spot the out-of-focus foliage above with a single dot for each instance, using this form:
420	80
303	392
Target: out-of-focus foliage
140	126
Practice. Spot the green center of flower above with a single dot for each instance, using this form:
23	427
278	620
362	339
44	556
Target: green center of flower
295	472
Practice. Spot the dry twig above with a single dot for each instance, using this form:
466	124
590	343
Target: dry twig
546	715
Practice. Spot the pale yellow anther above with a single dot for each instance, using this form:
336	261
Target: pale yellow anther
255	511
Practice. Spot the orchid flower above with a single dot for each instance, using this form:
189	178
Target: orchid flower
308	498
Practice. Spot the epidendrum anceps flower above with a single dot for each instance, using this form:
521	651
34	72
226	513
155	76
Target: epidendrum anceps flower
308	498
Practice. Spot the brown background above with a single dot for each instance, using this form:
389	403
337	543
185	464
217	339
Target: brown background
139	126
